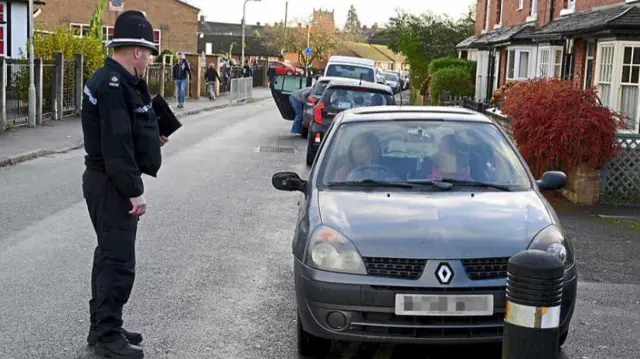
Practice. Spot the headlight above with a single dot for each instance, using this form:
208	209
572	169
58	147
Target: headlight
552	240
329	250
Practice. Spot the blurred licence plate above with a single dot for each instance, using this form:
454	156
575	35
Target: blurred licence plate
444	305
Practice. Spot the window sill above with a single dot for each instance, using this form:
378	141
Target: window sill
520	8
484	31
564	12
497	26
532	17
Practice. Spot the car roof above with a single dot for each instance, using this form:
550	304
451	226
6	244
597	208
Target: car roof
441	113
342	81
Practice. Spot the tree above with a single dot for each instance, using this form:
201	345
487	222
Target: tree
351	30
321	41
95	25
422	38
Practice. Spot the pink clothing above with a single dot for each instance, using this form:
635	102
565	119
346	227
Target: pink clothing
341	174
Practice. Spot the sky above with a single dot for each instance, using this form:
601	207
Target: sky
270	11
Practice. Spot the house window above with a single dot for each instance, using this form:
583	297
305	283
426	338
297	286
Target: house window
571	5
543	62
534	7
557	63
549	61
588	65
486	16
2	27
499	14
482	78
520	4
107	34
81	29
208	48
157	39
618	79
518	63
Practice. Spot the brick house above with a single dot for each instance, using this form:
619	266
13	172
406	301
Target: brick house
595	42
175	22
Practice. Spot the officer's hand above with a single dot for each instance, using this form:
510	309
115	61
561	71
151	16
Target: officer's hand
163	140
139	205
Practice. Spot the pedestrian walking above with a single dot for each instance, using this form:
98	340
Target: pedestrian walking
181	74
210	76
122	141
297	99
247	71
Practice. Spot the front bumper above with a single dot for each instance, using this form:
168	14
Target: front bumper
366	305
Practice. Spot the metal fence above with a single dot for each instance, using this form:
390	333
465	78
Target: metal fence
620	182
241	89
69	88
621	174
17	92
58	84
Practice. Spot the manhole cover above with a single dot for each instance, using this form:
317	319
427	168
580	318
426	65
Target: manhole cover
276	149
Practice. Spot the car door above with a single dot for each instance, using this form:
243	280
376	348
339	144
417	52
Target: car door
281	88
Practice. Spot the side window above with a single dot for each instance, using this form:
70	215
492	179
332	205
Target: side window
289	84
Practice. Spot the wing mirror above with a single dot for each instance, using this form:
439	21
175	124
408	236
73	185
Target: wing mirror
288	181
552	180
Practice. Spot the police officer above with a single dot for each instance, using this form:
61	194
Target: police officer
122	142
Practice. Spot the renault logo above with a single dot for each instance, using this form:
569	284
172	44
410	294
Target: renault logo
444	273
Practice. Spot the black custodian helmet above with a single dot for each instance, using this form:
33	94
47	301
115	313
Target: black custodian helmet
133	29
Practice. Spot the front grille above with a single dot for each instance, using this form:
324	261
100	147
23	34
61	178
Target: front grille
485	268
402	268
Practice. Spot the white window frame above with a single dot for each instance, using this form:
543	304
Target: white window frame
615	97
499	24
159	39
516	69
571	8
588	57
548	70
482	77
487	15
520	4
75	24
533	14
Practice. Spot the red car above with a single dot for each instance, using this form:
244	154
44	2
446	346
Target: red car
283	68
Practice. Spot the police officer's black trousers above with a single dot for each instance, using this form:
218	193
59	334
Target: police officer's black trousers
114	261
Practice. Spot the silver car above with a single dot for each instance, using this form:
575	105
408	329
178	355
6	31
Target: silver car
407	204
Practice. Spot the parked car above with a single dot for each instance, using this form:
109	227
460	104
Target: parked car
392	80
351	67
407	222
282	87
314	96
339	95
283	68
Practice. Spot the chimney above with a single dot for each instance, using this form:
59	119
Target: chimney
201	18
258	23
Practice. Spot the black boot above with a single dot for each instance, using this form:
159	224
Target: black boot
132	337
119	349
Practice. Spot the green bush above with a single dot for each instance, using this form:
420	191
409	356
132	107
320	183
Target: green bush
456	80
444	62
61	40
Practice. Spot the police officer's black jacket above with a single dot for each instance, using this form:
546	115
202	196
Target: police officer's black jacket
121	134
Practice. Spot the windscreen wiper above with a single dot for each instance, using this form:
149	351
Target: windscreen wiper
370	183
470	183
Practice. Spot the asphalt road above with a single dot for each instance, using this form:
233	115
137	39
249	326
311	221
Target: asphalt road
214	265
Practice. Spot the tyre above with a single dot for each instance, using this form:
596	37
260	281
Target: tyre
289	73
311	156
310	346
563	338
305	132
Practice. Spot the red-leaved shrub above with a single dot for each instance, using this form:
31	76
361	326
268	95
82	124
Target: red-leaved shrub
559	126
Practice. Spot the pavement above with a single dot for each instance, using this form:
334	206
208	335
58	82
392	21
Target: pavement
22	143
214	260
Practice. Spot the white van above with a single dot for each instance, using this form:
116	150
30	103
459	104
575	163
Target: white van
351	67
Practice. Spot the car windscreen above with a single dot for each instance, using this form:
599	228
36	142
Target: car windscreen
351	71
319	88
340	98
391	77
410	150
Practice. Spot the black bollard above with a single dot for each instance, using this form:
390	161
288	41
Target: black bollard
534	295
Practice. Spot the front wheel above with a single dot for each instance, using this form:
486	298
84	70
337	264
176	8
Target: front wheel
289	73
310	345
